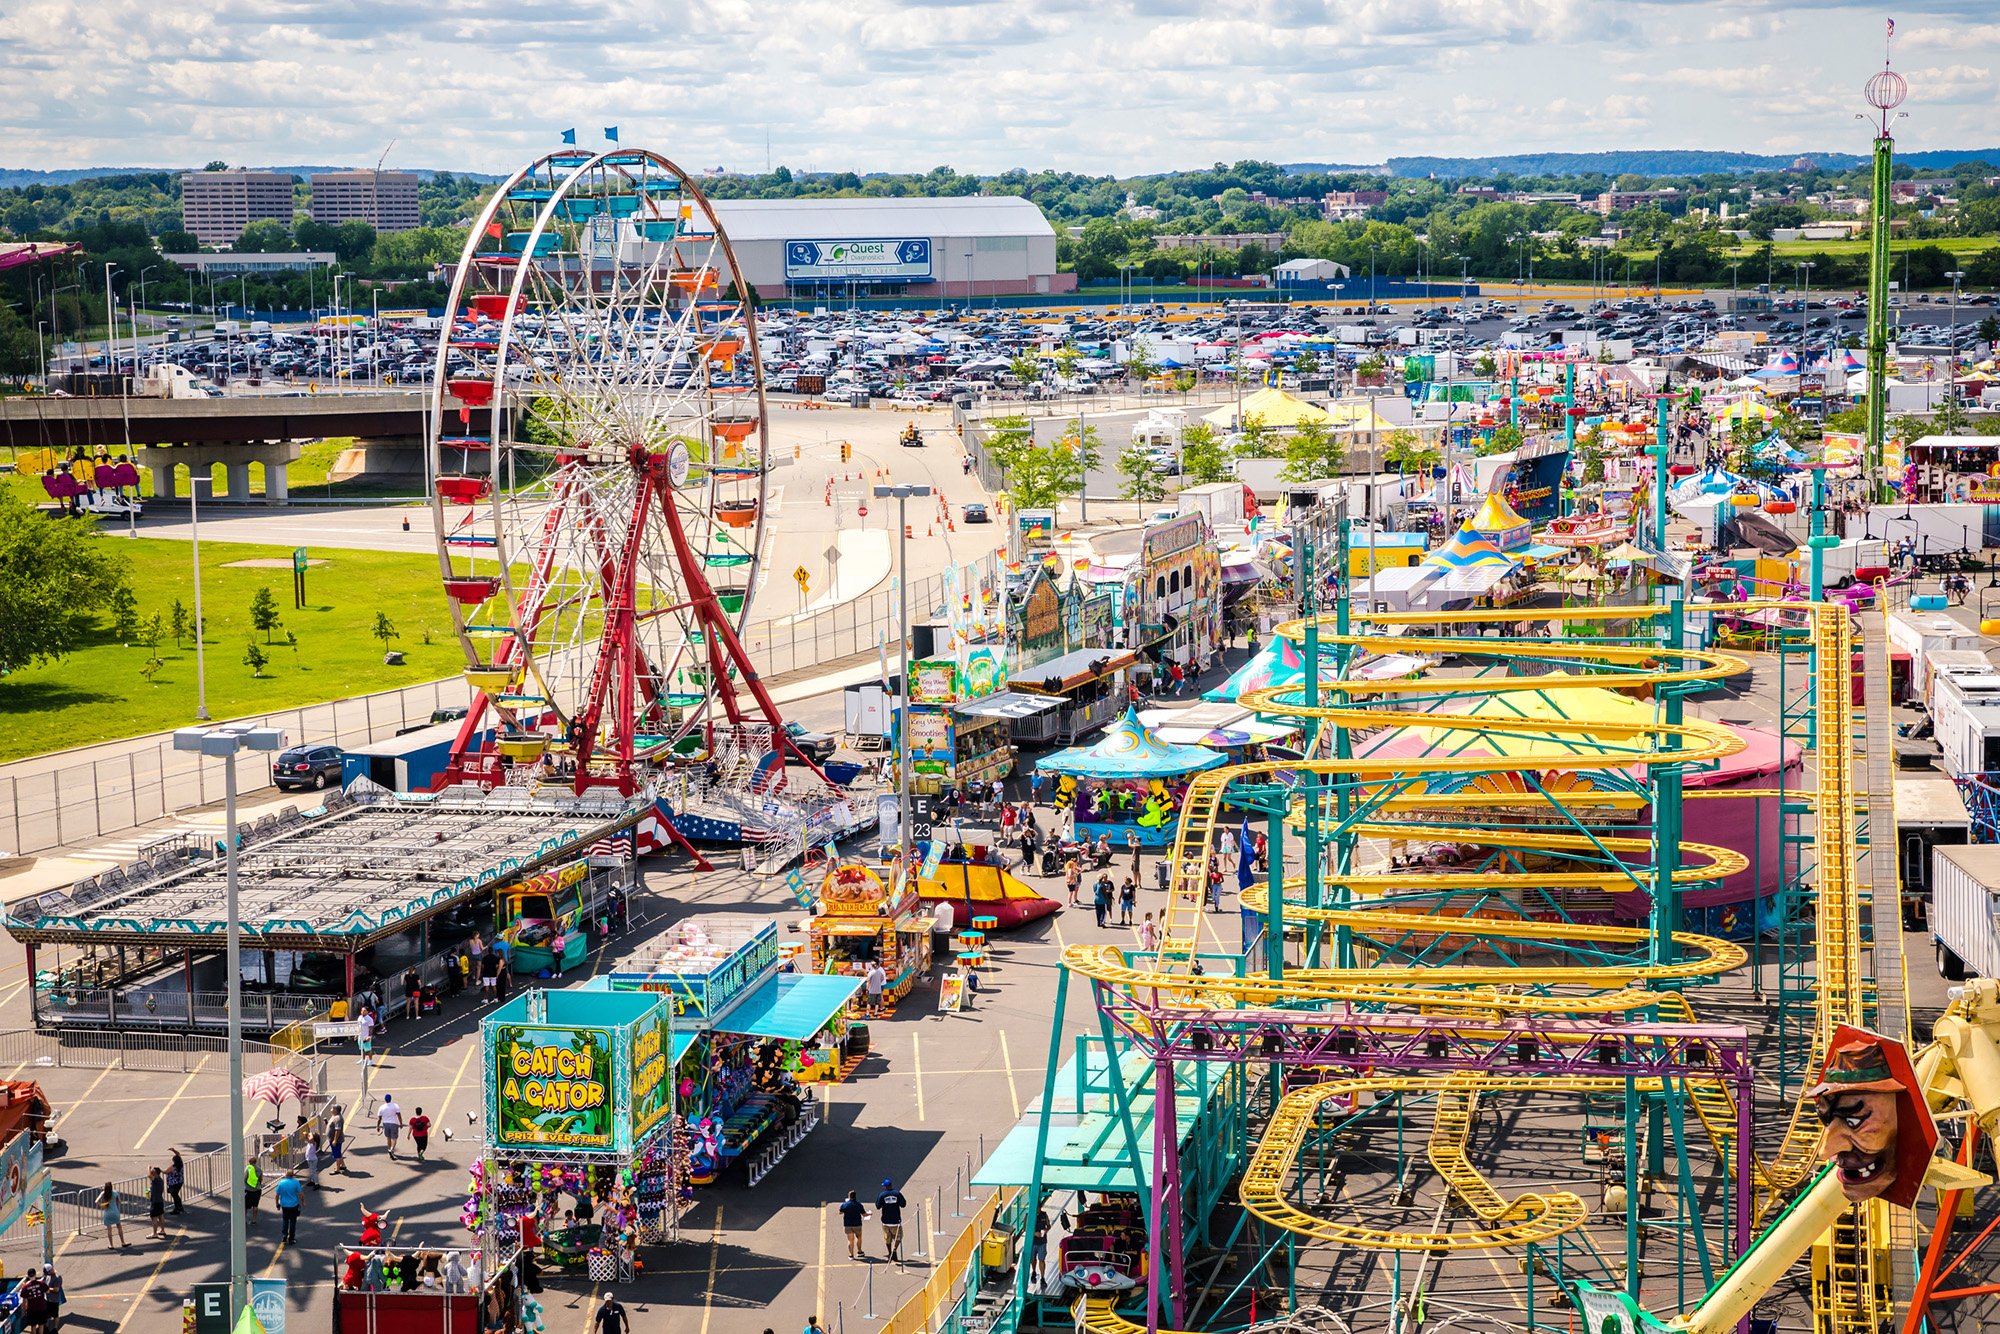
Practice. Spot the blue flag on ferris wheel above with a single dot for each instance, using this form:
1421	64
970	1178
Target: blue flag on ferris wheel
611	133
569	136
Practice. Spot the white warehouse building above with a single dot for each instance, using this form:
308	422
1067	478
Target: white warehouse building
954	249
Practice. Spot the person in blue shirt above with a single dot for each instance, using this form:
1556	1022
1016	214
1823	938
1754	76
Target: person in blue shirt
852	1212
290	1195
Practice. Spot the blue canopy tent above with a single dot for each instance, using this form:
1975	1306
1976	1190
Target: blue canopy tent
1118	787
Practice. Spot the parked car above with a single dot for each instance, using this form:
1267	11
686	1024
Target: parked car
818	745
976	513
306	766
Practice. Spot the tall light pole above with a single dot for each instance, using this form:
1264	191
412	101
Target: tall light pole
1373	246
902	495
224	743
1956	276
110	322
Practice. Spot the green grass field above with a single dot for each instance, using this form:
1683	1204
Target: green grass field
97	693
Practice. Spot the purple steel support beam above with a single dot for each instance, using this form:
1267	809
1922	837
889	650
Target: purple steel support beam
1166	1202
1746	1096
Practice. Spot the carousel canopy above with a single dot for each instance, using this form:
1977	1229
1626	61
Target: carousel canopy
1128	750
1499	524
1466	549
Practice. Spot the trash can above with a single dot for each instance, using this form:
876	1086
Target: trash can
1000	1249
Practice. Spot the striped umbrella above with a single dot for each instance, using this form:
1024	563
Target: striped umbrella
277	1087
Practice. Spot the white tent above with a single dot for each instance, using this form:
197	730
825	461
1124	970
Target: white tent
1311	271
1396	585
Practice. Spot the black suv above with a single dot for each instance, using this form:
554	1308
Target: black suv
306	766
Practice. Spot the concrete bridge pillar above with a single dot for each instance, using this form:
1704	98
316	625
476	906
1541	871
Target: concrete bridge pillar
236	458
166	478
238	480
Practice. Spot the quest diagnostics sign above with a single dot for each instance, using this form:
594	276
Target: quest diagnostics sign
838	261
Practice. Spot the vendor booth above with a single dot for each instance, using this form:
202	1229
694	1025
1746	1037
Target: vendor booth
1088	688
1131	782
544	919
745	1035
957	737
861	921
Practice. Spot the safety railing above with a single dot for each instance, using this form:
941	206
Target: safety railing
774	1153
945	1301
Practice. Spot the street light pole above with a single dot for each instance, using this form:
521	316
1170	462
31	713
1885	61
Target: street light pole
901	495
110	323
224	743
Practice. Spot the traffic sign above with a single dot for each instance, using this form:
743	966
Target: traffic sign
801	575
322	1032
862	511
832	555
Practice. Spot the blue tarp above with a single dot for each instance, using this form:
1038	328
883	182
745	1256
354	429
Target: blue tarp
1130	751
790	1006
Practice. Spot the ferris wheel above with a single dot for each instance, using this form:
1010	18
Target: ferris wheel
601	543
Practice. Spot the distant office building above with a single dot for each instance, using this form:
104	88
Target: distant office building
217	205
385	200
297	261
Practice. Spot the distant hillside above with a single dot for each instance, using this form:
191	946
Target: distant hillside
15	177
1641	162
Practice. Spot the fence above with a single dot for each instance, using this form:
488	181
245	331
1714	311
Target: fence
71	797
78	1211
941	1305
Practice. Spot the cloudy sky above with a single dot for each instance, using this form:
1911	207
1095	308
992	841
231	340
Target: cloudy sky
1088	85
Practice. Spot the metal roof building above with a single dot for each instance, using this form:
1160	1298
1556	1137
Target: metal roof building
951	249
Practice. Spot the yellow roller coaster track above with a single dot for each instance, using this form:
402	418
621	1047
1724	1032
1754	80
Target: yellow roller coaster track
1169	975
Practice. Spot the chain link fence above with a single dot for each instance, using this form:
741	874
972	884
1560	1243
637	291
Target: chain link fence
71	798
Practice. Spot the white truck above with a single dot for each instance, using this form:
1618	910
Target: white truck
1222	502
1947	662
1918	633
1965	910
166	380
1966	719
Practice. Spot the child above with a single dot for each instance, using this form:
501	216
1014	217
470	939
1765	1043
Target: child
420	1132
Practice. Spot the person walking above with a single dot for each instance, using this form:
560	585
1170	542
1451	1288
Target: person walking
1073	877
1128	899
290	1196
253	1189
889	1206
1132	842
610	1317
1149	935
873	984
390	1118
1100	899
852	1213
420	1132
313	1152
336	1143
107	1200
156	1202
176	1178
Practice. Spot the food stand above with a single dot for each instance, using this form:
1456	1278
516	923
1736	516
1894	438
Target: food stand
1087	686
861	921
1128	783
952	741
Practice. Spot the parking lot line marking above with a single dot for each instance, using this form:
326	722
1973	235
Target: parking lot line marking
917	1074
169	1105
714	1260
819	1281
151	1278
452	1092
272	1268
1007	1060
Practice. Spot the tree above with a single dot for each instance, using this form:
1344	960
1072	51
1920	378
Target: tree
150	668
1026	369
216	164
1306	363
150	631
1989	330
178	624
1486	366
1312	452
384	628
1202	459
124	613
254	656
1139	368
1140	475
1502	440
1258	440
54	576
263	237
264	612
1405	451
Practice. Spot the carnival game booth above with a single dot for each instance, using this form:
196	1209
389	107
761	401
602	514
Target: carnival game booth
861	921
745	1035
954	736
1131	782
1617	799
578	1102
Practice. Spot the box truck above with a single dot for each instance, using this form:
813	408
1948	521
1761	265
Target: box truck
1965	911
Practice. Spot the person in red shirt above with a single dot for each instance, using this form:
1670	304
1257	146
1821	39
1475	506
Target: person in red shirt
420	1132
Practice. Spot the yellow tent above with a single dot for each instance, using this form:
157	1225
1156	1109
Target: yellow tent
1274	407
1743	410
1359	416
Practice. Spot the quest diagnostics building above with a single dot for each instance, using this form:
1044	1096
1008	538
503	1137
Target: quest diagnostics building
946	250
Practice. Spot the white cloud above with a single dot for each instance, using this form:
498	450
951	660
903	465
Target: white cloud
1125	86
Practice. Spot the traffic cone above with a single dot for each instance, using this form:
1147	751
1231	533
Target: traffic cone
906	529
928	531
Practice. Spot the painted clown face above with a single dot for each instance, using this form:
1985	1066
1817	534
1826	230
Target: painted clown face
1859	1139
